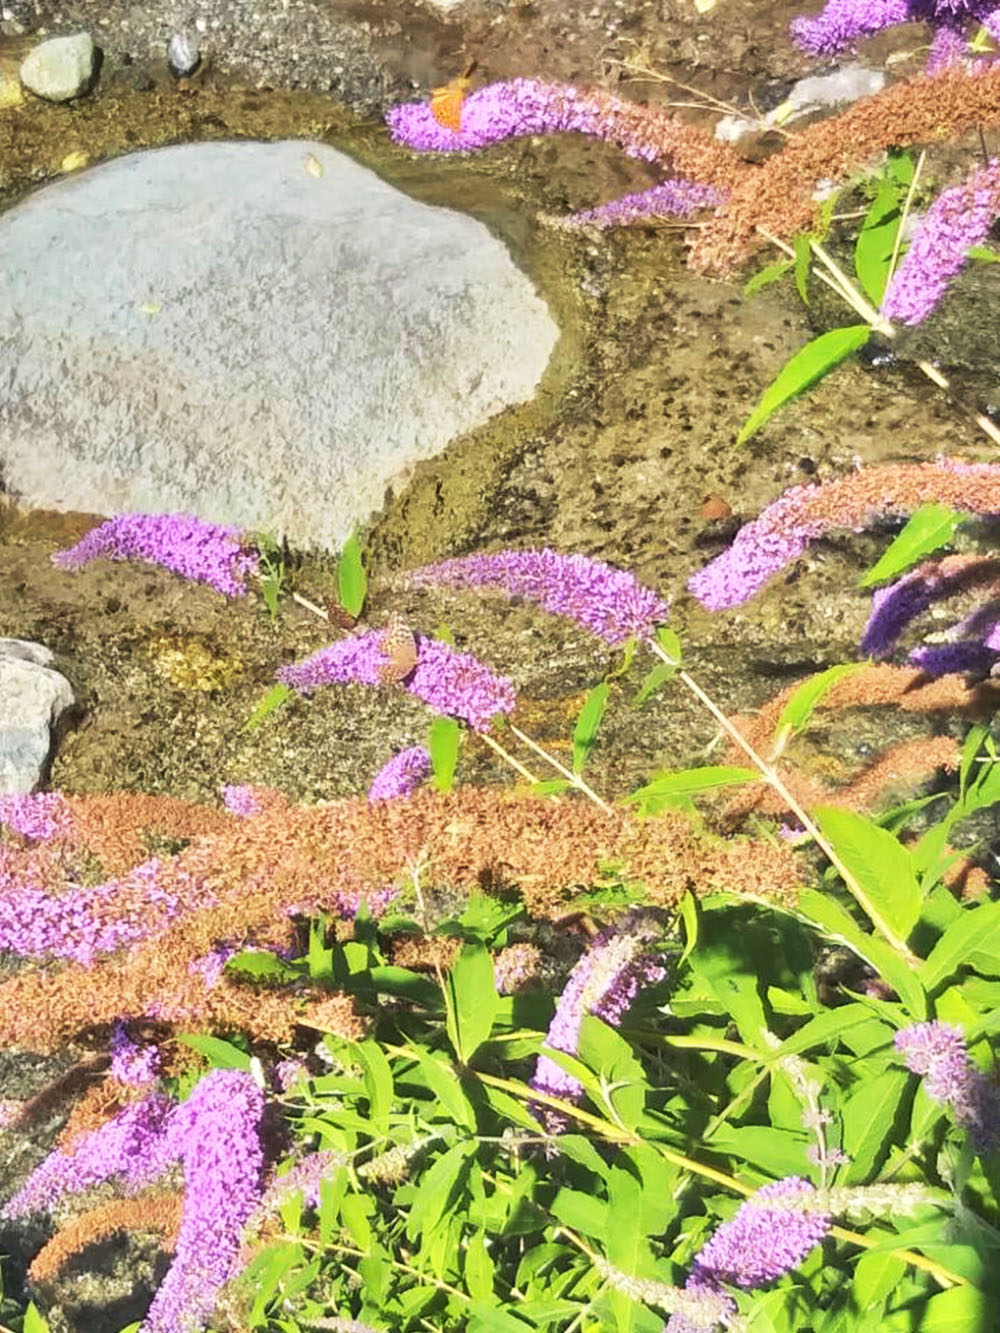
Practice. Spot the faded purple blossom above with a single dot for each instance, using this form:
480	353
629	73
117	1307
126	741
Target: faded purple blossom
451	683
132	1064
347	903
937	1051
958	219
305	1177
130	1148
210	966
215	1135
517	968
10	1113
241	800
673	198
769	1235
38	815
287	1073
400	775
785	529
609	602
841	22
604	982
81	924
211	553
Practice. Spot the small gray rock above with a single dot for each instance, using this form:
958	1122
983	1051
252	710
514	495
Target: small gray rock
60	68
32	699
183	55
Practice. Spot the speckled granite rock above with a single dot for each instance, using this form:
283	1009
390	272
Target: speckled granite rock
32	698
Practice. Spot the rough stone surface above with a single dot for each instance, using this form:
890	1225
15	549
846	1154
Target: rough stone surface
32	698
60	68
262	334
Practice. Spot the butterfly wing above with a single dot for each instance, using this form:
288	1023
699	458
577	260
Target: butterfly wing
446	104
399	648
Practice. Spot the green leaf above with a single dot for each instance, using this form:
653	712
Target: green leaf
669	641
958	1310
479	1268
488	1319
672	788
876	1276
263	708
471	999
868	1118
437	1187
352	582
443	1082
688	911
444	739
652	681
378	1082
807	366
259	963
873	251
973	940
582	1212
886	887
766	276
33	1321
587	725
354	1211
982	254
798	711
220	1054
780	1152
928	529
826	913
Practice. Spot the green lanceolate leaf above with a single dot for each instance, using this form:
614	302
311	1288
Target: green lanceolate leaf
271	702
221	1054
928	529
972	940
958	1310
436	1189
873	251
471	999
667	789
587	725
886	886
804	369
444	740
803	258
798	711
352	581
766	276
33	1321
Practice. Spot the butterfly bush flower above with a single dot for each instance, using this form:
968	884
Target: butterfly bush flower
241	800
958	219
211	553
38	816
937	1051
769	1235
841	22
673	198
786	528
402	774
609	602
604	982
451	683
131	1064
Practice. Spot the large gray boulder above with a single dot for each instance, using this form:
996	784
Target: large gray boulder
262	334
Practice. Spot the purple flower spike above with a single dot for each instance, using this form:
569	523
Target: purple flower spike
137	1066
937	1051
609	602
403	773
215	1135
38	816
958	219
204	552
604	982
358	659
769	1235
674	198
842	22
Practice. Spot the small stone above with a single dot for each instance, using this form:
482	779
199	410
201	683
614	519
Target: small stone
183	55
60	68
33	696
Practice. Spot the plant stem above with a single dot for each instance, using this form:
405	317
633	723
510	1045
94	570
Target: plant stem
574	778
773	779
509	758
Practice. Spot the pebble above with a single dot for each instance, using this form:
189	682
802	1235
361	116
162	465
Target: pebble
61	68
33	697
183	55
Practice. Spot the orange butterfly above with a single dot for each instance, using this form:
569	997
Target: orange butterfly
446	101
399	648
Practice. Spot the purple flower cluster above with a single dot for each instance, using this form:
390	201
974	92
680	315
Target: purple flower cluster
400	775
241	800
937	1051
769	1235
39	816
609	602
80	924
673	198
131	1064
957	220
305	1177
451	683
604	982
215	1135
842	22
211	553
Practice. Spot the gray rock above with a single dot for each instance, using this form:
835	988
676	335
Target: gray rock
262	334
60	68
32	698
